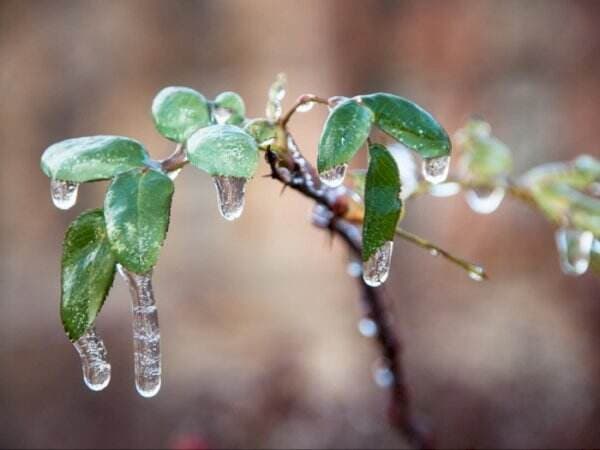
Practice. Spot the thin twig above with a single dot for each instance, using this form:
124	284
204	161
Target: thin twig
306	98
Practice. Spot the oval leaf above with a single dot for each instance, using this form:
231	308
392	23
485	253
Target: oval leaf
137	208
409	124
92	158
345	131
232	102
382	200
179	111
223	150
88	270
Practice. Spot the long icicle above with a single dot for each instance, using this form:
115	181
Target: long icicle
94	363
146	334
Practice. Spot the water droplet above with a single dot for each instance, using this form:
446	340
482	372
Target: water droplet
221	115
334	101
94	365
435	170
230	195
434	252
574	249
305	107
354	269
173	173
334	177
63	193
383	377
367	327
146	334
444	189
377	268
476	273
485	200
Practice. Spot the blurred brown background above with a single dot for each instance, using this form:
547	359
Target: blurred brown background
258	317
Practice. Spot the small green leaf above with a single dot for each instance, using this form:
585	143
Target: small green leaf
409	124
179	111
232	102
88	270
92	158
263	131
223	150
345	131
137	208
382	200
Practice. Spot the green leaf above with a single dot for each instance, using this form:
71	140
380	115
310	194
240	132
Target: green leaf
223	150
409	124
137	208
232	102
345	131
92	158
179	111
88	270
382	200
263	131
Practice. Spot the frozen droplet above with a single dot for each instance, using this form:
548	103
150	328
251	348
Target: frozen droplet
574	249
444	189
377	268
435	170
173	173
274	111
476	273
334	101
434	252
230	195
383	376
63	193
354	269
485	200
94	365
305	107
146	334
221	115
334	177
367	327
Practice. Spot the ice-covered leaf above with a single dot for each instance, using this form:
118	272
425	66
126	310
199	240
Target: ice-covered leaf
223	150
137	208
382	200
179	111
92	158
409	124
345	131
88	270
233	104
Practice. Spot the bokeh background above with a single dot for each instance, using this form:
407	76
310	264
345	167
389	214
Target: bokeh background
258	317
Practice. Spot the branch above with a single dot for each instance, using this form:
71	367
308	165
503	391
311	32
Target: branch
293	170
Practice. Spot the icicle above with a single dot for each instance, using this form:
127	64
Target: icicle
367	327
435	170
221	115
334	177
230	195
484	200
574	249
63	193
377	268
146	334
94	365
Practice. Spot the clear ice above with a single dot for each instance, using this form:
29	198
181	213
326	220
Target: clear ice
377	268
367	327
435	170
334	177
63	193
146	334
94	365
574	249
230	195
383	376
476	273
305	107
485	200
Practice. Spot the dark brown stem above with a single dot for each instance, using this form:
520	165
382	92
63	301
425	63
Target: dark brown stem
293	170
176	160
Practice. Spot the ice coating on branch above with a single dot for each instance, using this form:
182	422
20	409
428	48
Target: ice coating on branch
476	273
63	193
230	195
367	327
94	364
574	250
377	268
146	334
485	200
305	107
435	170
334	177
